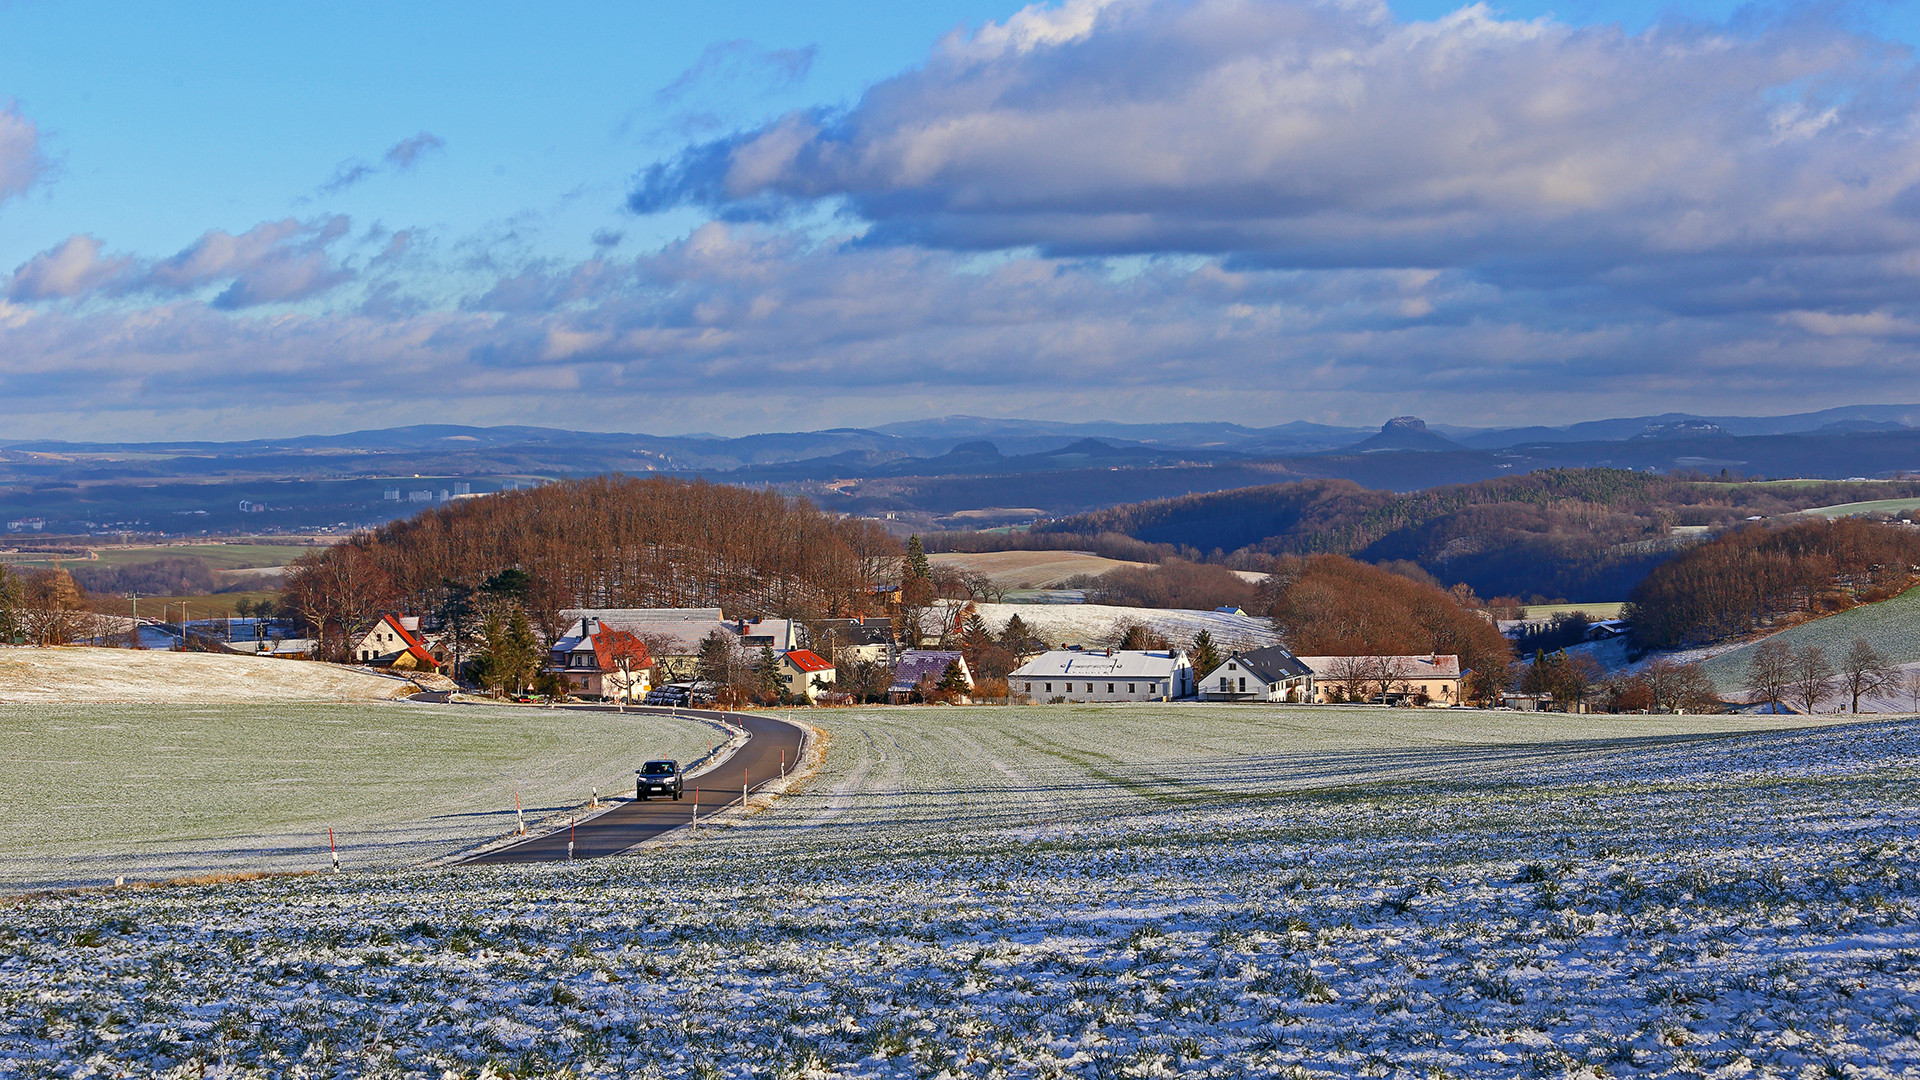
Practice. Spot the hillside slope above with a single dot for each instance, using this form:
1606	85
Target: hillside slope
79	674
1891	626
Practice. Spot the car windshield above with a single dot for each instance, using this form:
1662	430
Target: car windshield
658	768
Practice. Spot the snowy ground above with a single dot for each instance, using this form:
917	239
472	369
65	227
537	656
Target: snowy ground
94	792
128	675
1743	906
1102	624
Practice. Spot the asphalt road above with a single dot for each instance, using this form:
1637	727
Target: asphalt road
631	822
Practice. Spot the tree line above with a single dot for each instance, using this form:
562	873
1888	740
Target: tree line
1758	576
610	541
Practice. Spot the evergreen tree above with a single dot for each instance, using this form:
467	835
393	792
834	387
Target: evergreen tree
519	657
953	680
767	672
484	670
10	601
717	658
918	567
1206	655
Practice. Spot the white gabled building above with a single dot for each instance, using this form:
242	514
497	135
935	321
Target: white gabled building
1104	675
1269	674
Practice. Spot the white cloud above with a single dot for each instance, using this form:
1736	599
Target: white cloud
21	163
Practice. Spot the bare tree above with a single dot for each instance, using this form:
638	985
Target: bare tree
1912	686
1770	672
1812	677
1864	672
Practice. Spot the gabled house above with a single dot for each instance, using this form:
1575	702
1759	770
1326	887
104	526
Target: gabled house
602	662
804	673
1432	680
1104	675
395	642
920	670
673	635
780	635
844	640
1269	674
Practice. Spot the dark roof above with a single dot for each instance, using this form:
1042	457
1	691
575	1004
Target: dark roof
1272	664
915	665
857	631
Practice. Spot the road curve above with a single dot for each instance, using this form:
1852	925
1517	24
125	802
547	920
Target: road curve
770	742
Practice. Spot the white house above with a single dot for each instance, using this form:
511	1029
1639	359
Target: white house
1104	675
1269	674
804	673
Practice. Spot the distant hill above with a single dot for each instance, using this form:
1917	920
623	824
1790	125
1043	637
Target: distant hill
1405	433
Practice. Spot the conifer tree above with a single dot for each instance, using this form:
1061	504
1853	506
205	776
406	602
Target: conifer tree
917	565
1206	655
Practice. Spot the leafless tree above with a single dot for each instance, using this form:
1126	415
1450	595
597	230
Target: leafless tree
1770	672
1812	677
1864	672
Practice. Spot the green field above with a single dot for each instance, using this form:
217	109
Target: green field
1891	626
95	791
217	556
1877	506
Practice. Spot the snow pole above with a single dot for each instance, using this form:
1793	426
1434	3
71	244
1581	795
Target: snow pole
783	761
596	798
520	813
333	850
570	826
743	787
696	811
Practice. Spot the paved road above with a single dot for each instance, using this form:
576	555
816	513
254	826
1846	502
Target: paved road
630	823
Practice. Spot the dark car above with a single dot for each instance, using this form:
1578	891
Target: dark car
657	778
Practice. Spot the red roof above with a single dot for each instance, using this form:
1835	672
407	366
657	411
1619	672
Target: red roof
612	646
807	660
414	645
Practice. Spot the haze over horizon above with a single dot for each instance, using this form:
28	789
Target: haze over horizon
229	222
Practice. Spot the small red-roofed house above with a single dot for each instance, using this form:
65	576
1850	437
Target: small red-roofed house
805	674
601	662
395	642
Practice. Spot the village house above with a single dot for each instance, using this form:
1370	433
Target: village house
1431	680
1104	675
919	671
395	642
805	674
780	635
1269	674
847	640
601	662
672	635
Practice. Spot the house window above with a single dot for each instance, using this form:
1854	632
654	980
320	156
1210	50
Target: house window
1089	688
1109	688
1049	688
1129	688
1029	689
1243	684
1226	685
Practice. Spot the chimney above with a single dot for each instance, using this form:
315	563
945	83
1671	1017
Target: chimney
410	623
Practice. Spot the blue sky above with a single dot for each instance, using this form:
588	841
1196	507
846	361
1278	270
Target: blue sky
241	220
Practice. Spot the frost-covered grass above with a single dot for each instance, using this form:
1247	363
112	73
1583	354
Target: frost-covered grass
91	792
136	676
1100	624
1744	906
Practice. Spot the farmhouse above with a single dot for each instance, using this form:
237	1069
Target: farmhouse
1432	680
1104	675
1269	674
672	635
843	640
921	670
602	662
804	674
395	642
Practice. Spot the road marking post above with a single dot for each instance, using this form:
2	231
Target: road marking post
743	787
596	798
696	811
570	825
783	761
333	850
520	813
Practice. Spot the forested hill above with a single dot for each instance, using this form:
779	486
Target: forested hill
1583	534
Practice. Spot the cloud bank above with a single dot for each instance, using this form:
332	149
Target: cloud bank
1132	209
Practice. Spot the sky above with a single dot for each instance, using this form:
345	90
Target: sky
246	220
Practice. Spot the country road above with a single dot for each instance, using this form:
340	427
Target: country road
770	743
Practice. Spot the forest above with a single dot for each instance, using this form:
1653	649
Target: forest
1760	576
1579	534
608	541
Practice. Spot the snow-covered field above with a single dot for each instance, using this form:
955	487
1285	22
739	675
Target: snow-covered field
1084	897
132	675
94	792
1101	624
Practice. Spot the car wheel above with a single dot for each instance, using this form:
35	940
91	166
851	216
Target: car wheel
642	798
676	796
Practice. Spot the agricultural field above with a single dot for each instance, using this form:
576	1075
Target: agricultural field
1876	506
133	676
1892	626
239	556
93	792
1030	569
1604	610
1086	892
1102	624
